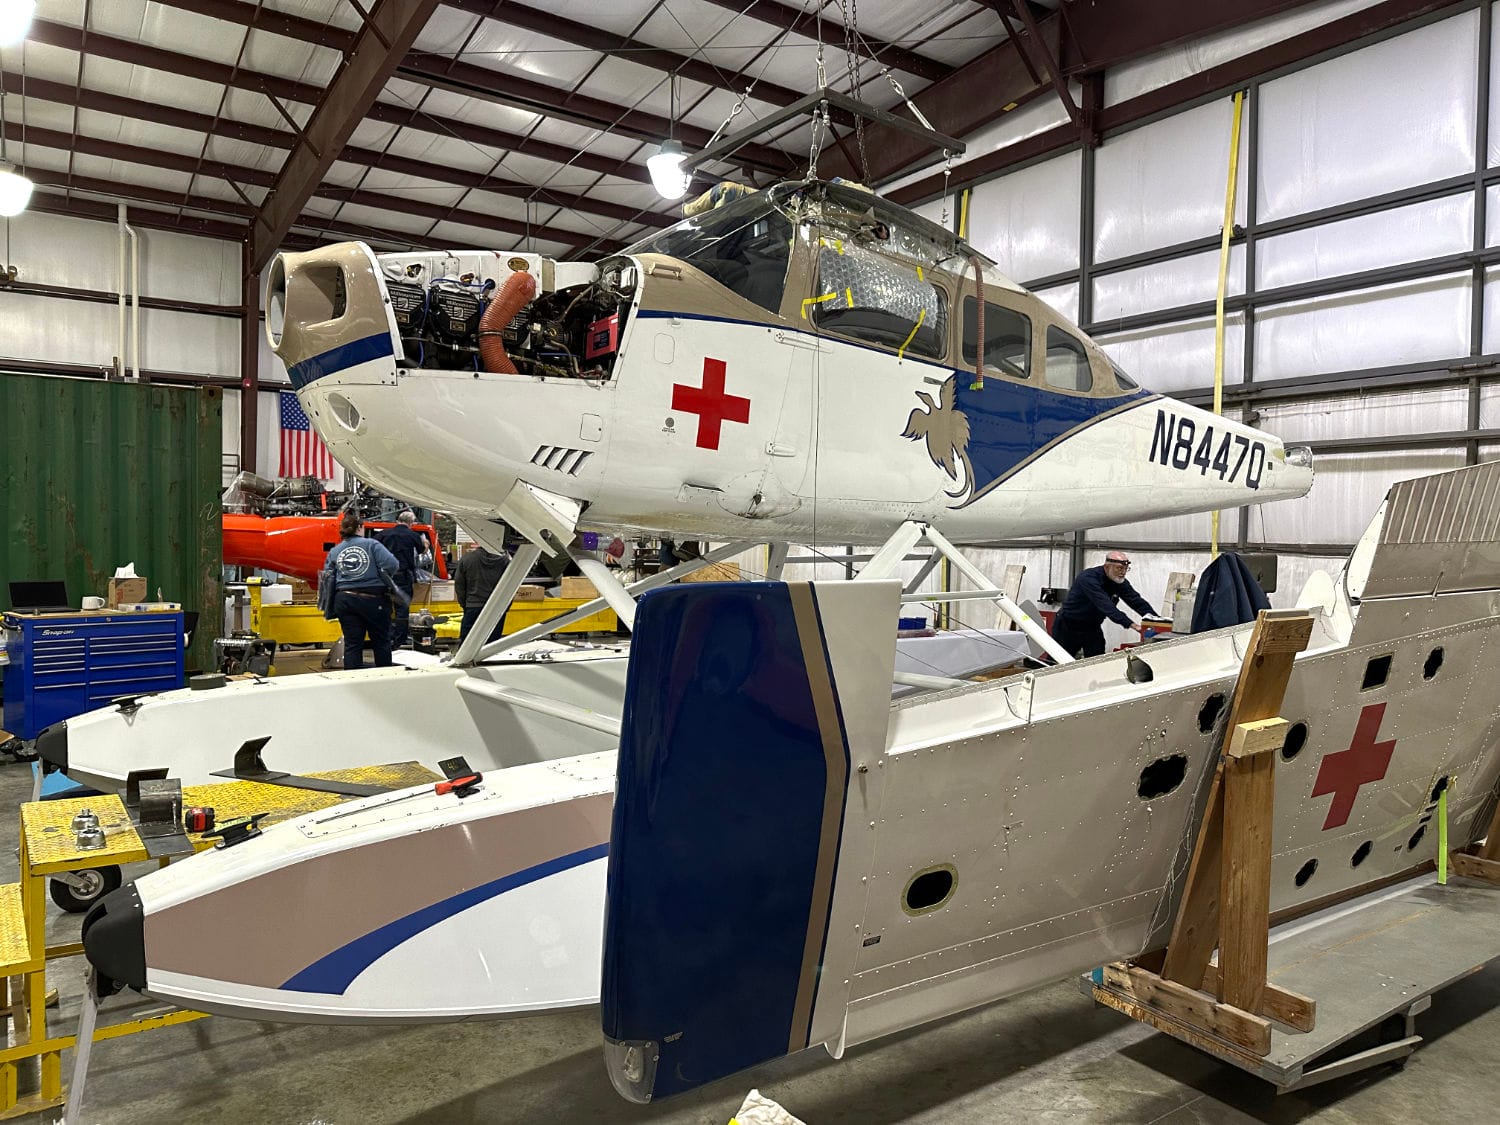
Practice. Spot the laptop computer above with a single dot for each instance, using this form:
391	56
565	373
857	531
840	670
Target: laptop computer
40	597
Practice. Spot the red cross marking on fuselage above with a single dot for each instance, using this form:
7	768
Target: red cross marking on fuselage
710	403
1343	773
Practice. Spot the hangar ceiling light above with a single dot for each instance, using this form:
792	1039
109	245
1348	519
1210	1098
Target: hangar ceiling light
15	20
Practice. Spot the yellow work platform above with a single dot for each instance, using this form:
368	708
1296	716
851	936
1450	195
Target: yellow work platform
48	846
525	614
304	624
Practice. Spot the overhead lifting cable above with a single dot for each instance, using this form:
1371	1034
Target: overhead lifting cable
1228	231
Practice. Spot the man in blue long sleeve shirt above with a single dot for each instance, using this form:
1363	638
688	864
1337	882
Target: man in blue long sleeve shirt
361	570
1079	624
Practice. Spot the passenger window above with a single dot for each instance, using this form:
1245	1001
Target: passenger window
1007	338
867	296
1067	362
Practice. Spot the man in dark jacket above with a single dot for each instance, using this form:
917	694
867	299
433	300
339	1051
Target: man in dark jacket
474	581
1079	624
406	545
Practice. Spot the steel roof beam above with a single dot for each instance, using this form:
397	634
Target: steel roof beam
389	30
970	98
424	69
794	19
254	134
177	162
391	114
266	19
1109	34
595	113
632	50
53	204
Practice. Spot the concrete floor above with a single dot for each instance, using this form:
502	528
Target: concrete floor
1049	1055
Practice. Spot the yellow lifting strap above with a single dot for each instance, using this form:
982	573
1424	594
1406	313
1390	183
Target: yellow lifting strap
1229	190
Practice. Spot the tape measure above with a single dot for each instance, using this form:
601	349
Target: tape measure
196	818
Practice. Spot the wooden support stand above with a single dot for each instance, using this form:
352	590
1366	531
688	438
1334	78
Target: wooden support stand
1483	862
1226	902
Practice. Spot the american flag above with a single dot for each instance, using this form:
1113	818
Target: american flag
303	453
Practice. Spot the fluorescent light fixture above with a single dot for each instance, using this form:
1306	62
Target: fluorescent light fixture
15	191
665	166
15	20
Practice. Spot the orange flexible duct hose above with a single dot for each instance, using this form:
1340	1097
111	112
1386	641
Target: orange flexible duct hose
514	295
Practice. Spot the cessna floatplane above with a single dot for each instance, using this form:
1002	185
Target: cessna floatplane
808	364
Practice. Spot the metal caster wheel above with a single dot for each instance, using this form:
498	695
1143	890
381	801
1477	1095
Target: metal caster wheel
76	891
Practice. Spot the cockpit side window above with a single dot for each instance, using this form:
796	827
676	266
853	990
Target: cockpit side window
1125	381
1007	338
1067	362
870	297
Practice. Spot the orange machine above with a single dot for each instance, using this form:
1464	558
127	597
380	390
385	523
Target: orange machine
297	545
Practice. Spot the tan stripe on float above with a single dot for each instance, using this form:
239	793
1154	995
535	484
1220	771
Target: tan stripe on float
825	706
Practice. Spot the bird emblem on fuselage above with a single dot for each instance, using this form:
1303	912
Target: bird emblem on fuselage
946	429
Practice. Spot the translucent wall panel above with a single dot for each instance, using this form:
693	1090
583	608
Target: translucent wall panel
1179	357
1378	327
84	254
1193	528
60	331
1292	573
1388	116
1491	342
1347	488
1368	415
1122	83
1492	212
1164	183
1489	406
1063	298
1166	285
1028	221
1406	234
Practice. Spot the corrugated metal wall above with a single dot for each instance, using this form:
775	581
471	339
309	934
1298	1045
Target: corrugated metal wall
95	475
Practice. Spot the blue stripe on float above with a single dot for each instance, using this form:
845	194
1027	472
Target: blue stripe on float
347	355
332	974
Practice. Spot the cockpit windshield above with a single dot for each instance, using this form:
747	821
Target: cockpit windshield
744	246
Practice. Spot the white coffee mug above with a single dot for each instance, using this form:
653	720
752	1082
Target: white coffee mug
93	603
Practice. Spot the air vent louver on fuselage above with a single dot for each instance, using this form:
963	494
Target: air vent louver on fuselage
560	458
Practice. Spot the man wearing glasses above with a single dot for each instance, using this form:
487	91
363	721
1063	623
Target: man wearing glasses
1079	624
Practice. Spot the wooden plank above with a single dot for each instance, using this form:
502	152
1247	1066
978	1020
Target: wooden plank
1176	1028
1193	1008
1261	737
1257	695
1245	878
1491	847
1475	867
1195	930
1280	1004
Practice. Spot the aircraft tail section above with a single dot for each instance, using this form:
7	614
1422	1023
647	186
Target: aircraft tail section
1438	534
750	709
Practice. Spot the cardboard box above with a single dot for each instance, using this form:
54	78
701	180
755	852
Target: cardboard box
529	593
421	593
442	590
125	590
304	593
714	572
578	589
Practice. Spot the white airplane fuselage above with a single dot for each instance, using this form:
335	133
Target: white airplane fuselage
720	417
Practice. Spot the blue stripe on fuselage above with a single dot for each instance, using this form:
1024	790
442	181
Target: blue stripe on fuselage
1010	423
332	974
344	356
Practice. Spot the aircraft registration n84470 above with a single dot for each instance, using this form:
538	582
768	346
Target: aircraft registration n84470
802	363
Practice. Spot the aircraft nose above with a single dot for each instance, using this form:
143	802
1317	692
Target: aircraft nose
114	940
52	745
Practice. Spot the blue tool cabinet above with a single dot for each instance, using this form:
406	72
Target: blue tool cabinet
61	665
